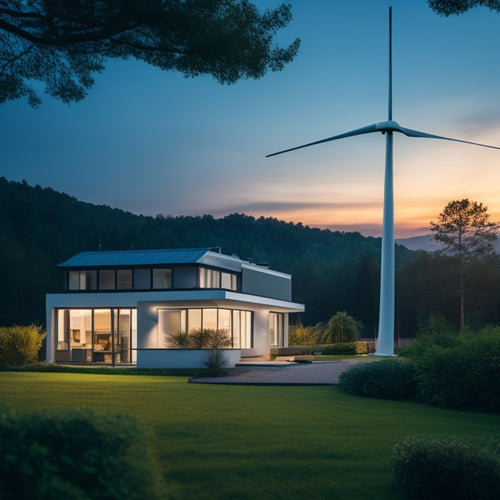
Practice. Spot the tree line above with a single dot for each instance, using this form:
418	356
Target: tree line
332	271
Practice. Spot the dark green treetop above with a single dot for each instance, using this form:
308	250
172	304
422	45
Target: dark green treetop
62	43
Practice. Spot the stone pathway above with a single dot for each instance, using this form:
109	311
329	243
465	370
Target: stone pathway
315	373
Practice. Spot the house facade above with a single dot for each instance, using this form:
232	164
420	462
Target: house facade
128	307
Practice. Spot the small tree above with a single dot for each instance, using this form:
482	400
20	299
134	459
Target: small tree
19	345
302	335
340	328
466	231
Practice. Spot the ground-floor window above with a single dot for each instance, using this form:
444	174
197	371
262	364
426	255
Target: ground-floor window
237	323
276	329
106	335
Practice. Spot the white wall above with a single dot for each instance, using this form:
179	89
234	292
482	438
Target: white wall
182	358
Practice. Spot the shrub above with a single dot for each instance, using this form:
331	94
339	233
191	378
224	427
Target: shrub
215	362
341	328
423	344
339	349
201	338
444	467
434	324
302	335
19	345
388	379
466	375
73	455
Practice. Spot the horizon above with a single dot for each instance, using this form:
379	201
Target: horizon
152	142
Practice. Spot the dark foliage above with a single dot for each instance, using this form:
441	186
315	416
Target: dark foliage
73	455
445	467
347	349
464	374
386	379
332	271
63	43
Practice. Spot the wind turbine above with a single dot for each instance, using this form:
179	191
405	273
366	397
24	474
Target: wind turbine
385	339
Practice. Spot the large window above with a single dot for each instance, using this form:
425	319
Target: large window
98	335
276	329
174	321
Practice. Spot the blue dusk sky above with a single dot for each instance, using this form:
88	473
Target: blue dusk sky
153	142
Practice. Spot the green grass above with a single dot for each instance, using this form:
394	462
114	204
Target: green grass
253	442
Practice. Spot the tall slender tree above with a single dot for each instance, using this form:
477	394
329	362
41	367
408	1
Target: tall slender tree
464	228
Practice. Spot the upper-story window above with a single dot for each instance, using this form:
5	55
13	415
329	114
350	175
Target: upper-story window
82	280
124	279
106	279
182	277
162	278
142	279
210	278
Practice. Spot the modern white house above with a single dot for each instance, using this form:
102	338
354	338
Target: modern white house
124	307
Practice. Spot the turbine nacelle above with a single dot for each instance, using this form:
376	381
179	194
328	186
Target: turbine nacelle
387	126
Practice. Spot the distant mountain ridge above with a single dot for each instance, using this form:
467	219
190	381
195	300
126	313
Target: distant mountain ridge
427	243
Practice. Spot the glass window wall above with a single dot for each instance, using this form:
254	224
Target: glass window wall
98	335
171	322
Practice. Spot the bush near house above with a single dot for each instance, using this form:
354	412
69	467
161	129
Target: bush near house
201	338
387	379
465	375
19	345
300	335
73	455
445	467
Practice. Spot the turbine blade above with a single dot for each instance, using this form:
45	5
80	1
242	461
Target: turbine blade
363	130
416	133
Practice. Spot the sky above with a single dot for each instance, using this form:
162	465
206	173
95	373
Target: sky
153	142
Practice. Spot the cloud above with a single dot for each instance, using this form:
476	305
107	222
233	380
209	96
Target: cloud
293	206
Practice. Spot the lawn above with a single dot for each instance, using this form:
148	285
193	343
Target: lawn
253	442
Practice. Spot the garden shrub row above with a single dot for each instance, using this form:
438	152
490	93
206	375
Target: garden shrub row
74	455
343	349
445	467
461	372
387	379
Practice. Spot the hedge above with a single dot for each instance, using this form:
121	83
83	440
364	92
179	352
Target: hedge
350	348
73	455
387	379
445	467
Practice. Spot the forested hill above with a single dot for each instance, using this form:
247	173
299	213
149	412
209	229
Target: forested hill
41	228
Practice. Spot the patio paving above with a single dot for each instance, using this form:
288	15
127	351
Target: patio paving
281	373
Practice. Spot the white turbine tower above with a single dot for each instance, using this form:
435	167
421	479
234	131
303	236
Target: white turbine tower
385	339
